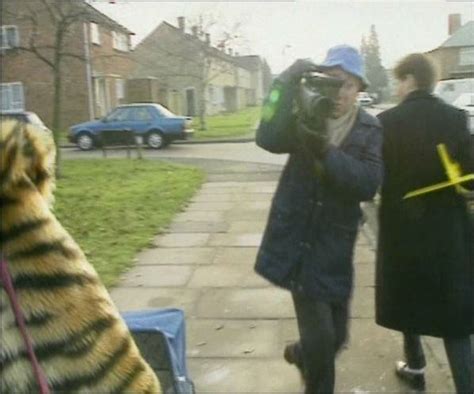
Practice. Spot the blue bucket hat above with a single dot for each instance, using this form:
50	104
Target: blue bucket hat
348	59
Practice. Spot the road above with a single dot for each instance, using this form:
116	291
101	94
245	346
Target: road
246	152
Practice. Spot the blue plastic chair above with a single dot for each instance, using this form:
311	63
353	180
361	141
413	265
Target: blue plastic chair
160	334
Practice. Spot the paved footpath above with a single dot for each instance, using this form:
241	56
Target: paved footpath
237	323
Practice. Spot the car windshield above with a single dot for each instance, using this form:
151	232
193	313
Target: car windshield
466	99
34	119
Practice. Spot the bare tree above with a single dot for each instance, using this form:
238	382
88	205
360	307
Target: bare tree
50	23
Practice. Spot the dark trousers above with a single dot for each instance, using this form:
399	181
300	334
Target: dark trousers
458	351
323	330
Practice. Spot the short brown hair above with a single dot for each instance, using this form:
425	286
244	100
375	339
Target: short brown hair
420	67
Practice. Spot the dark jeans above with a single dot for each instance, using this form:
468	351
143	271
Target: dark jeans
458	351
323	330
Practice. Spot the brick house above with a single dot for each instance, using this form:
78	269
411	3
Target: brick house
94	72
187	74
454	58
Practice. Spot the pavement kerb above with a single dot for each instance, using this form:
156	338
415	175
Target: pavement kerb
194	142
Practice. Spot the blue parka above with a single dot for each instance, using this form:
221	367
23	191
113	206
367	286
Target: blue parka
310	235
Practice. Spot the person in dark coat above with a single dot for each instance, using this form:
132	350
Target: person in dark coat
425	266
308	243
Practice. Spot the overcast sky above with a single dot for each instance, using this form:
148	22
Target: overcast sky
282	31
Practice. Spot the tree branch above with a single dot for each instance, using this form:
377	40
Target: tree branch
73	55
39	55
49	8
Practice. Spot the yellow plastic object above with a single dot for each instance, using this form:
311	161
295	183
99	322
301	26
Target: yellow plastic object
453	171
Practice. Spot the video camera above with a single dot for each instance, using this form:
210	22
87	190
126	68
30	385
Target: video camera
316	96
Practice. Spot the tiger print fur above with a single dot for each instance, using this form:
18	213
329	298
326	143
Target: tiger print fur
79	338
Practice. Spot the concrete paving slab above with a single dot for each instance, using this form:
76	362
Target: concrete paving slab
168	256
252	214
226	275
247	226
364	276
268	303
288	333
436	347
363	303
157	276
369	373
214	197
198	227
230	197
184	240
362	239
210	206
267	375
364	254
232	338
222	190
236	255
261	187
199	216
133	298
221	185
257	205
235	239
238	184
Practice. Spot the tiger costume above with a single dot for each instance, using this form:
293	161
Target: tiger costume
79	338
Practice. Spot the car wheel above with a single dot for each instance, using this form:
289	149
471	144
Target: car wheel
155	140
85	141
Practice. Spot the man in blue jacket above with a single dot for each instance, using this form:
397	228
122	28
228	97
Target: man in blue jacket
308	243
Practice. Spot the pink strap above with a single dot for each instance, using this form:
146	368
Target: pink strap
8	284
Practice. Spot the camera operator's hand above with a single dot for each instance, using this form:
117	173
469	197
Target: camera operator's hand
294	73
316	141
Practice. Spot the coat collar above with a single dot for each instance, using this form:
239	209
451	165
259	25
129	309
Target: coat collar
367	119
418	94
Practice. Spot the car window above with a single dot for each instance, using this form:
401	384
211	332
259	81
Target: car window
119	115
165	112
140	114
464	100
20	117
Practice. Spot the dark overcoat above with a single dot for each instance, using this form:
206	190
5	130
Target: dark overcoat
313	222
425	267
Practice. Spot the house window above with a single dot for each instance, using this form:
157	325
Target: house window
9	37
12	96
120	89
466	56
120	41
95	35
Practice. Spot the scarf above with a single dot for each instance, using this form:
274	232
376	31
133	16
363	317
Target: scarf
339	128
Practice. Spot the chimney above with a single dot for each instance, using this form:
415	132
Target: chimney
194	30
454	23
208	39
230	51
181	23
236	53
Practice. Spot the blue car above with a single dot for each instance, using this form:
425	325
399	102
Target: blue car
156	125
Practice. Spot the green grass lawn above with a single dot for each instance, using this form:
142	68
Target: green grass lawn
114	208
237	124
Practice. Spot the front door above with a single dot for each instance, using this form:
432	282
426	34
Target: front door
190	102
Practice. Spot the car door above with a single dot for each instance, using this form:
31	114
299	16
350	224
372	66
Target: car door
140	119
113	125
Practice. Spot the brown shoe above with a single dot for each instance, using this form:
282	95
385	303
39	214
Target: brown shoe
293	356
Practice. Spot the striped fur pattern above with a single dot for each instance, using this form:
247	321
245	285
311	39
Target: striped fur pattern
80	340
